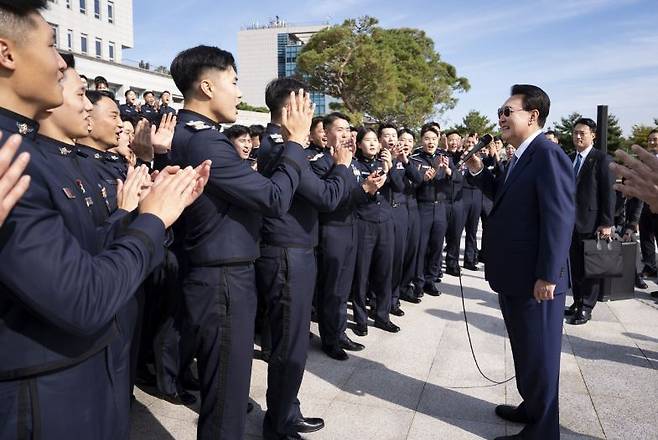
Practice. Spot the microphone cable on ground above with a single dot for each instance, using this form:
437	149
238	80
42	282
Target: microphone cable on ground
461	289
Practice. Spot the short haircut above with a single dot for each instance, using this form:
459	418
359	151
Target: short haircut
278	92
534	98
68	59
191	63
84	77
406	131
166	91
236	130
551	132
472	135
15	17
354	129
100	80
363	131
334	116
436	124
256	130
498	138
451	132
383	126
128	91
655	130
148	92
315	121
429	127
586	121
96	95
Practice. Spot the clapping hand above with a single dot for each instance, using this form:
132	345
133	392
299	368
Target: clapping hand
13	183
639	176
297	116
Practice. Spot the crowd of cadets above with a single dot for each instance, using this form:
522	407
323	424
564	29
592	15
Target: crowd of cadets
102	286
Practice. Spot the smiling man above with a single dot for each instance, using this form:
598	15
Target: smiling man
530	229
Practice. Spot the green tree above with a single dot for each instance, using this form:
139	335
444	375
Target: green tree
387	74
475	122
564	129
246	107
639	135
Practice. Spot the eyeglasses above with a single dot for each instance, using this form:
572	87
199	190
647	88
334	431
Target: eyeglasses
507	111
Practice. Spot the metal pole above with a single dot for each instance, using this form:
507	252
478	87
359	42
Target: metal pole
602	128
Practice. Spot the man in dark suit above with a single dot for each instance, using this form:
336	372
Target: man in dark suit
595	211
530	229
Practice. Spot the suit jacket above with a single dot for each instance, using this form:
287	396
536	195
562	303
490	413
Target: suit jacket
530	225
595	198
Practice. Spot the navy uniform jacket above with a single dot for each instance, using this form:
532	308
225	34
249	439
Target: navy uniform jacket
531	222
440	188
299	226
413	181
223	225
165	109
353	197
104	167
378	208
129	112
150	113
59	291
408	176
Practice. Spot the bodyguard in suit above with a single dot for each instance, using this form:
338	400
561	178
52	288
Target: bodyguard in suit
530	229
595	211
221	231
286	272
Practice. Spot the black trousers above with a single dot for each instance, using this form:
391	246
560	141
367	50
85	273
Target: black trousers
585	290
220	305
433	226
648	232
400	231
535	334
336	260
286	276
410	269
455	221
374	262
472	202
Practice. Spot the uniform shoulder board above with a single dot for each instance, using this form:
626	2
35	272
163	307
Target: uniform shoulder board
415	157
276	138
198	125
316	157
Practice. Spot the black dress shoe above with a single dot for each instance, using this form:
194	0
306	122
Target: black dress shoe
582	315
511	414
350	345
335	352
409	298
387	326
639	282
360	330
145	378
649	272
471	266
654	294
397	311
571	310
181	398
454	271
431	290
418	292
308	424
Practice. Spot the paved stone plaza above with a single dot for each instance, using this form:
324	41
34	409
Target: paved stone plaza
422	383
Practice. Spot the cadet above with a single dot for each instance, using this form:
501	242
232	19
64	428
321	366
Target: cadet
403	170
437	170
286	271
375	237
472	208
130	110
337	244
411	183
222	230
55	328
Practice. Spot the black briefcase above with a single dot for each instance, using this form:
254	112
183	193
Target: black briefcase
613	289
603	258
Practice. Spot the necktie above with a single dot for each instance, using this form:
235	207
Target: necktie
576	167
511	165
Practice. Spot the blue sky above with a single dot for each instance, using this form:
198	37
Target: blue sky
581	52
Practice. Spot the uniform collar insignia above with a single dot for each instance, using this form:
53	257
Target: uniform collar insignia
276	137
316	157
64	151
